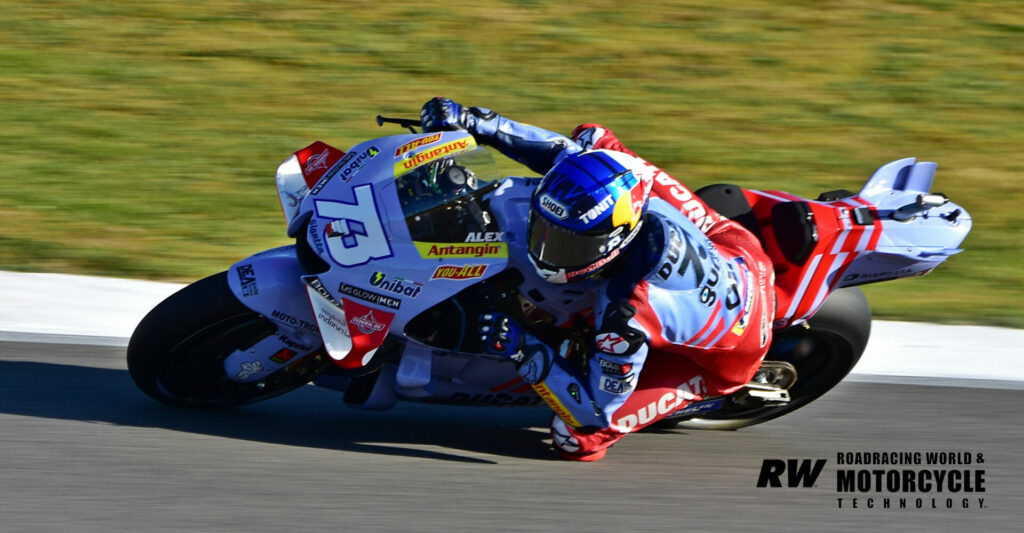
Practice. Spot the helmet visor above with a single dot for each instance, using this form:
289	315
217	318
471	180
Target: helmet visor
560	248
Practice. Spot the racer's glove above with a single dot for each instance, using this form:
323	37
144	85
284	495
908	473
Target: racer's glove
534	147
501	335
442	114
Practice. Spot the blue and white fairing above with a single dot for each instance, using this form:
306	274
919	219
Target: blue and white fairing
357	219
920	229
357	224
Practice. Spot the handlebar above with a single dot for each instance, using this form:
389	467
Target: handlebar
404	122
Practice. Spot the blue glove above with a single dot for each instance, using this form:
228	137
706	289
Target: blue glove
442	114
501	335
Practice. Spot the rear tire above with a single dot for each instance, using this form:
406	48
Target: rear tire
823	354
176	354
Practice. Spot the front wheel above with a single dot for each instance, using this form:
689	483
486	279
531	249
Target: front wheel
823	352
176	354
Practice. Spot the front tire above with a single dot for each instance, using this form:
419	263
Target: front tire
176	354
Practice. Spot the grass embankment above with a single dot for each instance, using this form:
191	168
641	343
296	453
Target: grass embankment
140	139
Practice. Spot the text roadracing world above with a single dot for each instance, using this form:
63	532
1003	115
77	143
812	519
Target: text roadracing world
899	480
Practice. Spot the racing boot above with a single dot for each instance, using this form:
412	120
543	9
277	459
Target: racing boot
577	446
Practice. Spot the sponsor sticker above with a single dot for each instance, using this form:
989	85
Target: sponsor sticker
247	278
611	342
347	167
249	369
318	161
293	321
616	386
669	402
395	284
459	271
700	407
283	356
368	327
426	156
369	296
614	369
485	236
366	323
597	210
556	405
422	141
444	250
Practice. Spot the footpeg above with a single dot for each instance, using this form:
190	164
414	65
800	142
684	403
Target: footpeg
770	385
765	394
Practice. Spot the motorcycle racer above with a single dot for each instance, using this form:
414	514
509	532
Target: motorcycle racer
684	302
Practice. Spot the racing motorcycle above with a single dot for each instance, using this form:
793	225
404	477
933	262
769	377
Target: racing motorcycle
402	241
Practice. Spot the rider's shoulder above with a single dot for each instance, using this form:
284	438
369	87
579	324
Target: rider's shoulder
677	246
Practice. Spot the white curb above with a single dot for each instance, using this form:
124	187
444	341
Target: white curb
95	310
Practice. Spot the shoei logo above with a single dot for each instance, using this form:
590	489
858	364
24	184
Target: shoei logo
427	156
550	206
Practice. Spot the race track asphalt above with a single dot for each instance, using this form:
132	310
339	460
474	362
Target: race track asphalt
82	450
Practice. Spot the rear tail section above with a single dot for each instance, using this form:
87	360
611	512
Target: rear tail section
893	228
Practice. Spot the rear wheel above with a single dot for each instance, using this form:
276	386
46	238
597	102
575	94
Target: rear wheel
177	352
822	353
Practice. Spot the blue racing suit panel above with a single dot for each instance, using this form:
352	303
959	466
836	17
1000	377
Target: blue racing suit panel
696	293
619	352
553	379
537	148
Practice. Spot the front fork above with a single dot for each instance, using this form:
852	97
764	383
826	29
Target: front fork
270	283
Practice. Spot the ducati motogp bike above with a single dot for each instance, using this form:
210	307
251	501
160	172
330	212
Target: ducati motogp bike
401	241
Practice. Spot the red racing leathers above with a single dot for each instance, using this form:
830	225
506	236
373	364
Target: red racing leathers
688	319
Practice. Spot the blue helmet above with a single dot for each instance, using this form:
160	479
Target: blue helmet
586	209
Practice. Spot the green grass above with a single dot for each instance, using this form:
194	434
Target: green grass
140	139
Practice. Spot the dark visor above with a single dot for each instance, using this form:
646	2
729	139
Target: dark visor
560	248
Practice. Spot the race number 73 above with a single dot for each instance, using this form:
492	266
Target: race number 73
355	235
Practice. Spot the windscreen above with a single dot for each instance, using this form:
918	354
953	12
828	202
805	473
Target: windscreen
441	200
441	181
